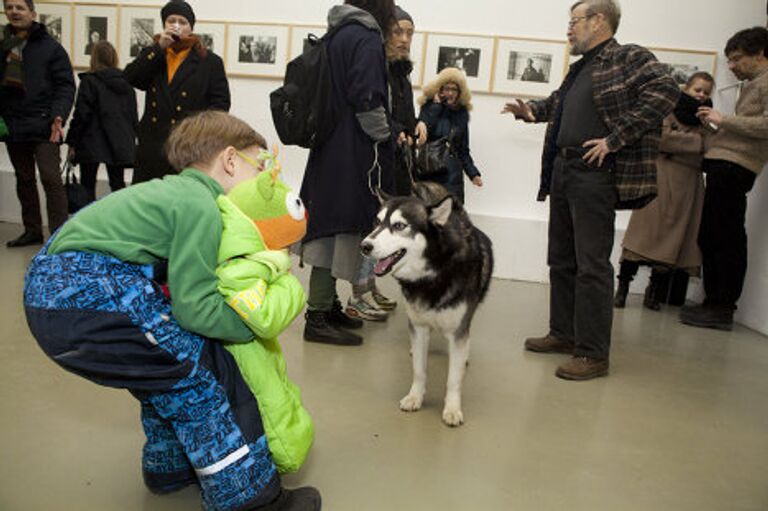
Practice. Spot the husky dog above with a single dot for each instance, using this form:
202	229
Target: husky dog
443	264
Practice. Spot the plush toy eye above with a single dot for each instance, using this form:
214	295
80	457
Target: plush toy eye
294	206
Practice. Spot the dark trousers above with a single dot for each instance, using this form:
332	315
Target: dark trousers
88	178
581	233
723	236
23	157
322	289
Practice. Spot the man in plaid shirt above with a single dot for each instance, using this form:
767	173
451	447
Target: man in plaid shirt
599	155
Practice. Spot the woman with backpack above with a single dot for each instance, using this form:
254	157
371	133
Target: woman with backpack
104	124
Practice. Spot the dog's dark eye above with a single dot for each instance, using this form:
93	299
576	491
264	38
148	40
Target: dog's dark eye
398	226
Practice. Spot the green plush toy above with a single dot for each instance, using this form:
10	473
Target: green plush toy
261	217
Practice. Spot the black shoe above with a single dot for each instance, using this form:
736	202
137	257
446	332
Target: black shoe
163	484
305	498
649	300
719	318
620	300
319	329
338	318
25	240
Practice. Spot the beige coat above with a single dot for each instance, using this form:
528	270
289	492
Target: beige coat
666	230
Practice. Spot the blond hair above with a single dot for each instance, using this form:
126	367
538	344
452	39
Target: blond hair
198	139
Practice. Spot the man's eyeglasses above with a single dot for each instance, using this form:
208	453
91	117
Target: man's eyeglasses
573	21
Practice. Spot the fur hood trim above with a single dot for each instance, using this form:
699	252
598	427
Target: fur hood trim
452	75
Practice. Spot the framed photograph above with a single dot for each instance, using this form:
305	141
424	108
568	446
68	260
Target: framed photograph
57	19
683	63
529	67
257	50
471	54
299	35
418	45
213	35
93	23
138	25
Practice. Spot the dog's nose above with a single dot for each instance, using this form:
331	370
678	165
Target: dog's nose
366	247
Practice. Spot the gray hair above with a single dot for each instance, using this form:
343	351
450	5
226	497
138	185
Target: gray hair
608	8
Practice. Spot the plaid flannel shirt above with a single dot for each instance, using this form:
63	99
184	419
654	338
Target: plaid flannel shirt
633	93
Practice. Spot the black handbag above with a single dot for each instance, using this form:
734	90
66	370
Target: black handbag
77	195
432	157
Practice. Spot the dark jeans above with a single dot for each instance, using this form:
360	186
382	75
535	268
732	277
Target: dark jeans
23	157
88	178
722	236
581	233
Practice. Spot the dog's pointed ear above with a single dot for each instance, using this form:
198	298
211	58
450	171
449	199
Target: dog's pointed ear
440	212
382	196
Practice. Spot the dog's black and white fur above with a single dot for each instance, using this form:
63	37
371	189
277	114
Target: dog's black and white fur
443	264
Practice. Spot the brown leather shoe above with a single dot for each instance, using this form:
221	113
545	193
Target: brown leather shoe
549	344
582	368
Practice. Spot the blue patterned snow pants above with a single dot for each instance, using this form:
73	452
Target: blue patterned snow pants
106	321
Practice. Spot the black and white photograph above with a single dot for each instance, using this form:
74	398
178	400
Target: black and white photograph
471	54
93	23
53	25
57	19
142	31
529	67
212	36
97	31
683	63
466	59
257	49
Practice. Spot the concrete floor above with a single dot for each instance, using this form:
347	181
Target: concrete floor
680	424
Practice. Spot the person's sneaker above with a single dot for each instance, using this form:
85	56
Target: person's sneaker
338	318
305	498
318	329
363	307
26	239
383	302
719	318
582	368
549	344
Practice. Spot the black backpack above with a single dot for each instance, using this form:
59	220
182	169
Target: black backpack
301	108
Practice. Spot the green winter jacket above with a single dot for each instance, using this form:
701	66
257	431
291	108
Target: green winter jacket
257	284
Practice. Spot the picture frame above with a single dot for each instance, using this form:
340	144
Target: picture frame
213	35
299	34
418	45
473	54
57	18
138	26
529	67
257	49
683	63
92	22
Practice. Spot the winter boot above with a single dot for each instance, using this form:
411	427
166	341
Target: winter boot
620	300
318	328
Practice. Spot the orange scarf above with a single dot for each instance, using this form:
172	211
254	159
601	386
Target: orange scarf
176	53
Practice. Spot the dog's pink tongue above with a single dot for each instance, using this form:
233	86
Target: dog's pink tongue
383	265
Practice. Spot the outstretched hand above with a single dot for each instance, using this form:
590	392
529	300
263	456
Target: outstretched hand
519	109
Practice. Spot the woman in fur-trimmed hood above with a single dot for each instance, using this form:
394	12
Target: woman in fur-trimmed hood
446	102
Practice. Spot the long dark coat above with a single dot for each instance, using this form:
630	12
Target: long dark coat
49	89
200	83
103	128
403	117
336	188
442	121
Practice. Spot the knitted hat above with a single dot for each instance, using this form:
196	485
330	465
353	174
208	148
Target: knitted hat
179	8
401	15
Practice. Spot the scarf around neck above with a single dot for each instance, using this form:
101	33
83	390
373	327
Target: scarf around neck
686	109
12	48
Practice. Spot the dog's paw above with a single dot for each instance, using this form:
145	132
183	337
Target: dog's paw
411	403
453	416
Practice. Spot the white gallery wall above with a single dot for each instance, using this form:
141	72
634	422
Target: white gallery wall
508	152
